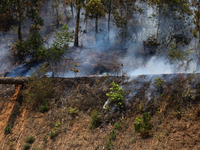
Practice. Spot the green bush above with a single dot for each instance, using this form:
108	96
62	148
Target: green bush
112	137
44	107
7	129
27	146
39	88
96	118
52	134
158	82
35	147
30	139
143	126
116	94
117	125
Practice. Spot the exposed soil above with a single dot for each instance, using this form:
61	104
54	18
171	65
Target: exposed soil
176	123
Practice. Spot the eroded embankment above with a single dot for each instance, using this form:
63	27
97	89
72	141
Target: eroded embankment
176	126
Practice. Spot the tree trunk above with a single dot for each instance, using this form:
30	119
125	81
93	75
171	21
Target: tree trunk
85	19
96	24
109	11
198	29
77	26
96	27
71	5
19	30
159	14
85	25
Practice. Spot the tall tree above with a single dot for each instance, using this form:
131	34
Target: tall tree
122	12
95	10
196	20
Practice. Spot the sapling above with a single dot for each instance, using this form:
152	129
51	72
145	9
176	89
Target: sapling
116	95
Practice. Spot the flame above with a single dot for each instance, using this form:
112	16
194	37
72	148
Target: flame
182	78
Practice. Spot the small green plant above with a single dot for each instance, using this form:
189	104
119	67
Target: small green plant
7	129
116	95
117	125
44	107
112	137
96	118
35	147
40	88
158	136
30	139
107	108
52	133
143	126
27	146
45	139
74	111
158	82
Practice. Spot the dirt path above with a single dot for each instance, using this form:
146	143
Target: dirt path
6	111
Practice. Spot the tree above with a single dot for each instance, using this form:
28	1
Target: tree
122	13
108	7
59	47
196	20
95	10
79	4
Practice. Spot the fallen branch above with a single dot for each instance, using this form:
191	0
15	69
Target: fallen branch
11	80
18	138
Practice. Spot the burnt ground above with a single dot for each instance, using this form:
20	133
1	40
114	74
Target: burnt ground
175	114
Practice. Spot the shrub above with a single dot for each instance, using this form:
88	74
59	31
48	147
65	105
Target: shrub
116	94
74	112
117	125
112	137
30	139
40	88
96	118
35	147
143	126
44	107
158	82
52	134
27	146
7	129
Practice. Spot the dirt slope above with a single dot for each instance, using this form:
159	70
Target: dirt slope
175	126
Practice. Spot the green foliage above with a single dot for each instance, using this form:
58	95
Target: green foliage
44	107
117	125
40	87
52	133
182	56
112	137
107	108
7	129
74	111
59	47
116	94
143	126
31	47
158	82
30	139
94	8
27	146
45	139
96	118
35	147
